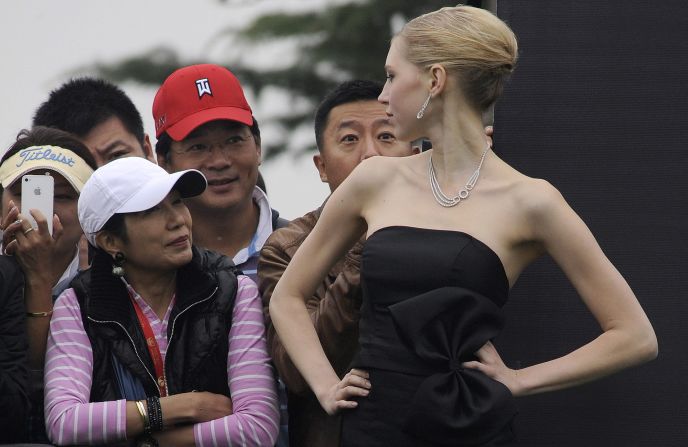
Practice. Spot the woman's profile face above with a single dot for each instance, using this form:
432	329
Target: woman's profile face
160	237
403	93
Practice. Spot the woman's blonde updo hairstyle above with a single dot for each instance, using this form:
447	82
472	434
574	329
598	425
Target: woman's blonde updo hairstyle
469	42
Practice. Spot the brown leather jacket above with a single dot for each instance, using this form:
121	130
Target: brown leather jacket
335	312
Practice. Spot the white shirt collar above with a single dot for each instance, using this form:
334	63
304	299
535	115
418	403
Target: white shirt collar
262	232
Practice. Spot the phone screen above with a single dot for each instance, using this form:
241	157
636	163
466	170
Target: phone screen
37	194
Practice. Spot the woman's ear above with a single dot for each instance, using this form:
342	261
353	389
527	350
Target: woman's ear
108	242
438	79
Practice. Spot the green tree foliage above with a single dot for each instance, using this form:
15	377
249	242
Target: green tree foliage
338	42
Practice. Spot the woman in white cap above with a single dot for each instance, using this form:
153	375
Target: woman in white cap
159	341
48	261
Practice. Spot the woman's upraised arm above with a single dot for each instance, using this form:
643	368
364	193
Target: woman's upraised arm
340	225
627	338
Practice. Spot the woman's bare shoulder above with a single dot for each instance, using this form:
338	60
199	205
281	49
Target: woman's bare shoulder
535	196
376	172
529	193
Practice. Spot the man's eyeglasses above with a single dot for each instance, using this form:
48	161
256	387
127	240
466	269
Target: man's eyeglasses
202	150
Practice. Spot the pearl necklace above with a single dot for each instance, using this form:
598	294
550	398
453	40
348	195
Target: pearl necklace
463	194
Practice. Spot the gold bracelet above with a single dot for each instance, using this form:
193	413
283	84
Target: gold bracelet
39	314
141	406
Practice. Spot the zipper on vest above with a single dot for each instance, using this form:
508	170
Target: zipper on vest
169	342
135	350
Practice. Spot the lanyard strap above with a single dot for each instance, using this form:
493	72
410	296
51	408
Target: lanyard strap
153	347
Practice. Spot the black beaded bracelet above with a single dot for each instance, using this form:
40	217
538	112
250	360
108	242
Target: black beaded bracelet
154	413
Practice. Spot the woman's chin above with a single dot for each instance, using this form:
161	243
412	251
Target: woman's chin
404	133
179	260
186	258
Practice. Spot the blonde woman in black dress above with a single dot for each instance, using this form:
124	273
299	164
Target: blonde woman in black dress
449	232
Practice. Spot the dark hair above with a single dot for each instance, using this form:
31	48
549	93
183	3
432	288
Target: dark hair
115	226
45	136
344	93
162	146
81	104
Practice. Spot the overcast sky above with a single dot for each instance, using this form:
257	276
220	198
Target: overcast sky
45	42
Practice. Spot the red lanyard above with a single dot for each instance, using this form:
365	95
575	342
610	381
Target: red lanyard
153	348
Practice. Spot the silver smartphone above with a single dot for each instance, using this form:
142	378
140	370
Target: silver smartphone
37	194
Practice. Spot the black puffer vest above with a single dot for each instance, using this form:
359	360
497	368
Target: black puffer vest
197	331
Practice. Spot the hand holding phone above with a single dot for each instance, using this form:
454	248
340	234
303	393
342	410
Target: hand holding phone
37	193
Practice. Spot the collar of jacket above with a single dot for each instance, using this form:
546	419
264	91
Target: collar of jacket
108	293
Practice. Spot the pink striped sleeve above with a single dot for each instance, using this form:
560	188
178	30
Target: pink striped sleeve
70	418
251	380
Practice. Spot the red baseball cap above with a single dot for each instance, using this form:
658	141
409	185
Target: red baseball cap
195	95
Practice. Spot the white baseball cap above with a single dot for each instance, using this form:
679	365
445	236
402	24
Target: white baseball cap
130	185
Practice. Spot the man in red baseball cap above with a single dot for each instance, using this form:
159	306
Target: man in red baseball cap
203	121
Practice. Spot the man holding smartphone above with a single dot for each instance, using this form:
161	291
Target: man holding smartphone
48	261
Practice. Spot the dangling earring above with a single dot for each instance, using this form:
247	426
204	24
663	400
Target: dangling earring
421	112
118	261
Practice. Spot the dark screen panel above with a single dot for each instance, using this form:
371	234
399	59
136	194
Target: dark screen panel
598	105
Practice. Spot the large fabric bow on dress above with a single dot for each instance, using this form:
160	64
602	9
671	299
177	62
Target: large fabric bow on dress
453	405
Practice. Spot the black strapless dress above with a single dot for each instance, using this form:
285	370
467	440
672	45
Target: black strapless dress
431	298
